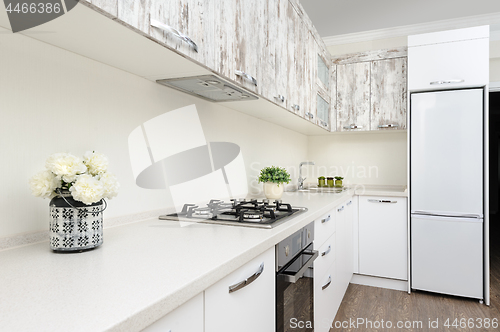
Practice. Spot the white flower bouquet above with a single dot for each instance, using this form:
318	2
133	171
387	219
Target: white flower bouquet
87	179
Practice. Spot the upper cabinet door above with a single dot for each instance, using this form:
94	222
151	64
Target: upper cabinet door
250	27
450	65
275	52
388	94
353	96
333	97
185	25
295	60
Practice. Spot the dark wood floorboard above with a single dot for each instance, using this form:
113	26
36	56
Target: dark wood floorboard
377	304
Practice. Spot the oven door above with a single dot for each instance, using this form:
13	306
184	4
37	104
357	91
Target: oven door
294	293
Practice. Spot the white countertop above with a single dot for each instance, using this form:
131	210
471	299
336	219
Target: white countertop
378	190
142	271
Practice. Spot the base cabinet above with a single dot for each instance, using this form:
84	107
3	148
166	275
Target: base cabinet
334	266
250	308
383	237
187	318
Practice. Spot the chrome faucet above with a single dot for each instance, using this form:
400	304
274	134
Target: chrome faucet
301	180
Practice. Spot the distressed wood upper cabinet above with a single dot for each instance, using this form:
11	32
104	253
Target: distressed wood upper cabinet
295	60
175	23
388	94
353	96
274	58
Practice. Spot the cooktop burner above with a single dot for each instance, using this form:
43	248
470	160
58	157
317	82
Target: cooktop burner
238	212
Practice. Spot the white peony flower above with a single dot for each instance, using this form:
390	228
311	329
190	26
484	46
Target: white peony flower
87	189
96	163
110	184
66	166
43	184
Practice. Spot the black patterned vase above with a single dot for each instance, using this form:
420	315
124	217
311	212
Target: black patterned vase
74	226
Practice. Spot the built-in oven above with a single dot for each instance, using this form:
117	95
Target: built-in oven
294	281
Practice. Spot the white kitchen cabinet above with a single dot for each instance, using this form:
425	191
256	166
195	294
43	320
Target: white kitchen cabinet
326	301
250	308
333	267
343	241
187	318
383	237
324	227
353	96
449	59
388	94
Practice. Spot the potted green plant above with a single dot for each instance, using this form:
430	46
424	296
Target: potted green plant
272	177
321	181
338	181
329	182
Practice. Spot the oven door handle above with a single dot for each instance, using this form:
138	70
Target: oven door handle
300	273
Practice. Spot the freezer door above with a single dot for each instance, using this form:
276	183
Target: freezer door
447	152
447	255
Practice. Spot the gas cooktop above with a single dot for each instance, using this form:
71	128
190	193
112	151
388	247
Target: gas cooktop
245	212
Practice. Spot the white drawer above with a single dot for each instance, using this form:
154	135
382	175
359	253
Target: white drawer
326	257
326	302
324	227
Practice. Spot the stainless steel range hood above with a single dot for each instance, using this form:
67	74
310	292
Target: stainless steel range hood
208	87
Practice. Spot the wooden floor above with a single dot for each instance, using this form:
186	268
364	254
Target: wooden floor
377	304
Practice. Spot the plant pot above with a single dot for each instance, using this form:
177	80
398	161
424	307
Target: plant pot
74	226
338	183
321	182
329	182
272	190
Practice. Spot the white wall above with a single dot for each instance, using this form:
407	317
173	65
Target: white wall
52	101
361	158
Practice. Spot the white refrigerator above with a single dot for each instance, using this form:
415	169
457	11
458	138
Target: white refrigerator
446	174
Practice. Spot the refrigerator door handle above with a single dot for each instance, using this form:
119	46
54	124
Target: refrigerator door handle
469	217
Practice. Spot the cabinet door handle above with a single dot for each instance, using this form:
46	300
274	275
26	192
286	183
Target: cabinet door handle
246	76
353	127
349	203
325	286
340	209
310	115
326	219
327	251
280	98
323	123
391	125
247	281
175	32
381	201
446	82
296	107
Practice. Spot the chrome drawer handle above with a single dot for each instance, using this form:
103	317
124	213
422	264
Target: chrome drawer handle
245	75
353	127
175	32
389	126
325	286
323	123
381	201
326	219
446	82
349	203
340	209
280	98
247	281
310	115
296	107
327	251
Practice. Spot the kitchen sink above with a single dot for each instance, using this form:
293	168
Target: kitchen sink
332	190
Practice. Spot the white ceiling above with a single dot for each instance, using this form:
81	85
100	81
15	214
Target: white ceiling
340	17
